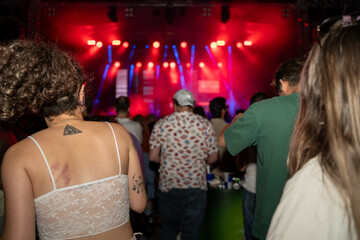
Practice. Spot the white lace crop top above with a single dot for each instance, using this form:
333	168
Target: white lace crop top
84	209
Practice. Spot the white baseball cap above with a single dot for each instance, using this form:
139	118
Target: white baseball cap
184	98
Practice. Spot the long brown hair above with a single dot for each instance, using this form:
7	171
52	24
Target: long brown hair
328	123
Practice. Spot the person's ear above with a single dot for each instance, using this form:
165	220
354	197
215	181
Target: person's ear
284	87
81	96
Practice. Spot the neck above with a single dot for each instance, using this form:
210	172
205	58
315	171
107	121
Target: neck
183	108
122	115
63	118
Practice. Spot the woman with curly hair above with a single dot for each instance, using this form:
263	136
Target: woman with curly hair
321	199
76	178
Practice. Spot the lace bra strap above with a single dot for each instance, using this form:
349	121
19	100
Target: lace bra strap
42	153
116	145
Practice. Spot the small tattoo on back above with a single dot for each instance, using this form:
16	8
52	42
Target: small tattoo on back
70	130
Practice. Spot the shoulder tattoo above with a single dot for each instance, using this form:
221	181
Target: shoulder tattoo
70	130
138	184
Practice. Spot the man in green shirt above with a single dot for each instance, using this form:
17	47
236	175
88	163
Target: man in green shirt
268	125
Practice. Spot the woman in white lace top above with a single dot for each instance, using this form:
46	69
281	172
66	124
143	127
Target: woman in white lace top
77	179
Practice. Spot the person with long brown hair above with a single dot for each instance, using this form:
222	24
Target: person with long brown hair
77	179
321	199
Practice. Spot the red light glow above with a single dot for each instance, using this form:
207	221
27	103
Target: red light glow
150	65
91	42
99	44
172	64
213	45
117	64
125	44
165	64
247	43
116	42
220	65
188	65
156	44
201	64
220	43
183	44
239	45
138	64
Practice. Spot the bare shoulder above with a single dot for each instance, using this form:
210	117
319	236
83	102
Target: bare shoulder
19	154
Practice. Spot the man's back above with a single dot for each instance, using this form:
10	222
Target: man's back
267	125
186	141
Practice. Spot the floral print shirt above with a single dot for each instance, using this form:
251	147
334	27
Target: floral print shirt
186	140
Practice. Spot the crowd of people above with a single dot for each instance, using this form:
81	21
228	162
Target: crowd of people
87	177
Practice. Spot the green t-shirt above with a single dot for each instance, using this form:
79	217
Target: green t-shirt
268	125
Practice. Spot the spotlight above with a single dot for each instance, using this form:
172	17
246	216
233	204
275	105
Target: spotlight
220	65
91	42
239	45
117	64
172	64
116	42
138	64
156	44
201	64
188	65
112	13
225	13
183	44
213	45
125	44
220	43
150	65
165	64
247	43
99	44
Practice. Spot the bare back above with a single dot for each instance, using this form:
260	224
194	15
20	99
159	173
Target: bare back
77	152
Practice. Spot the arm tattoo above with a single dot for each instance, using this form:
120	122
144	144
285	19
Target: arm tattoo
138	184
70	130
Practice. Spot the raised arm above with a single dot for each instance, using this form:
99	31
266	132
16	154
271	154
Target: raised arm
19	199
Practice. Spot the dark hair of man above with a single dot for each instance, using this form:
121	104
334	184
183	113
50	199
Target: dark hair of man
328	122
122	104
289	71
257	97
216	105
37	78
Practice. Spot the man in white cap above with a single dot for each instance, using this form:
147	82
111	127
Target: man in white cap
183	143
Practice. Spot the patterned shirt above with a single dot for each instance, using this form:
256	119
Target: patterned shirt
186	141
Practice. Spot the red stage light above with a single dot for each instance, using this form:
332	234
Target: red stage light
220	65
188	65
150	65
116	42
156	44
201	64
172	64
91	42
138	64
247	43
213	45
99	44
239	45
117	64
165	64
220	43
183	44
125	44
306	24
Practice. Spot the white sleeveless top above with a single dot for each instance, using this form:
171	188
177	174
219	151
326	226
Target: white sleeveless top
84	209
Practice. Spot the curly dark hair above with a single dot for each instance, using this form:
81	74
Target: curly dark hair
37	78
